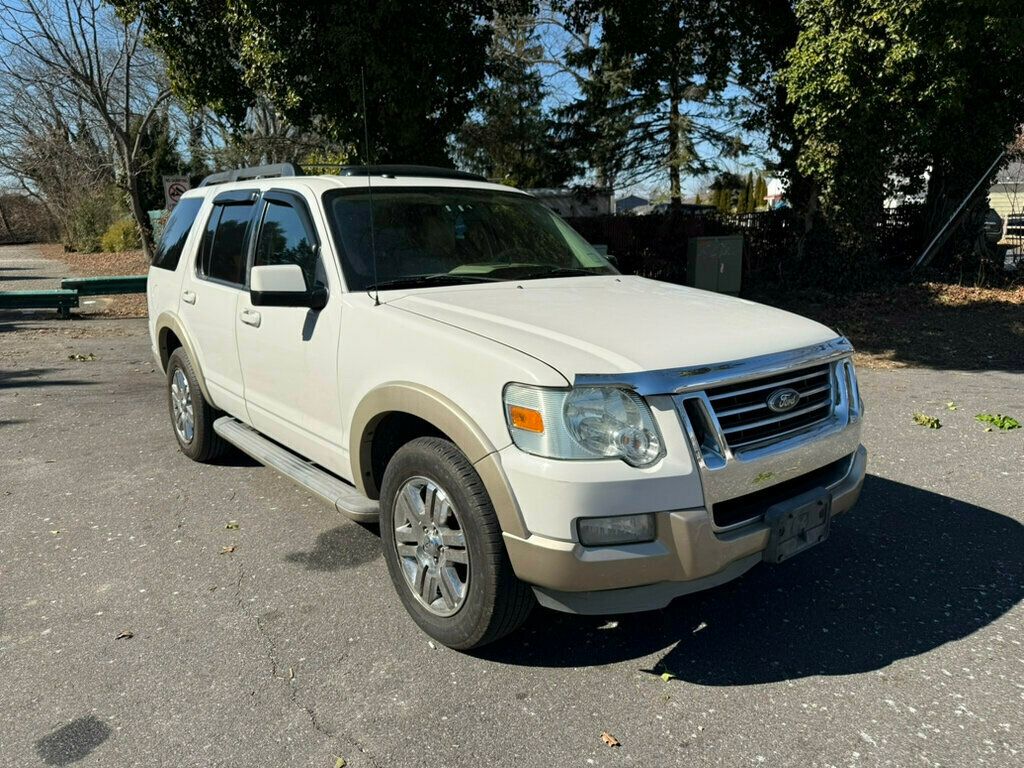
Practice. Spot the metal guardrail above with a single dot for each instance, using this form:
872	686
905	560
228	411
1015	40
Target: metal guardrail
71	288
105	285
61	300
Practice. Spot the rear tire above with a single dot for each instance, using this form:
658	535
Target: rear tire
444	549
191	416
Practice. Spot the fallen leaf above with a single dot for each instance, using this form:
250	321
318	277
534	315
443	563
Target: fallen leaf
999	421
610	740
232	525
126	635
339	762
924	420
228	550
666	676
951	406
82	358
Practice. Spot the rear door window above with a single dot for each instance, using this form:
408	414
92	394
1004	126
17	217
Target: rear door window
168	253
223	254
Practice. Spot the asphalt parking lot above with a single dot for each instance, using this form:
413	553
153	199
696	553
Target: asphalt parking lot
897	642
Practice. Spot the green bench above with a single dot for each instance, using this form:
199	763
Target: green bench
61	300
105	285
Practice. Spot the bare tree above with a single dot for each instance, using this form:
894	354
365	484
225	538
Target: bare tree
78	52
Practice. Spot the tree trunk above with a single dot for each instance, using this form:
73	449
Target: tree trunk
674	182
131	189
4	225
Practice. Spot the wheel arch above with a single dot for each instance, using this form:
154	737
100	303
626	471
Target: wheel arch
406	405
170	335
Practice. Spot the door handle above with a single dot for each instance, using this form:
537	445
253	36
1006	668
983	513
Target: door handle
251	317
188	297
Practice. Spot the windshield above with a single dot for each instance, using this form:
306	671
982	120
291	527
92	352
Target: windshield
427	236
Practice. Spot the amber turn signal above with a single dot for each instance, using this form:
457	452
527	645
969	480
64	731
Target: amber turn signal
526	419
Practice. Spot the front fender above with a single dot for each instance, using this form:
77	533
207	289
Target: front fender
441	412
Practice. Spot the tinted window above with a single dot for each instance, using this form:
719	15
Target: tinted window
285	239
456	235
176	233
223	253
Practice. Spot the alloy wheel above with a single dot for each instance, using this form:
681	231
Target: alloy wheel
431	546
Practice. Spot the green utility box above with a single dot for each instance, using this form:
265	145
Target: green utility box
715	263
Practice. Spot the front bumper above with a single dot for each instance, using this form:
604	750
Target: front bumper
688	555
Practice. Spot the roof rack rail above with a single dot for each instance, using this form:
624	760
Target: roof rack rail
255	172
423	171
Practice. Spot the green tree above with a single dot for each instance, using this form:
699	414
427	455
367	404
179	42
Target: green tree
760	193
727	191
886	89
158	155
422	64
662	73
509	137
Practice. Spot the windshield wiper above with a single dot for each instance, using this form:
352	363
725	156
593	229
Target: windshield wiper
556	272
422	281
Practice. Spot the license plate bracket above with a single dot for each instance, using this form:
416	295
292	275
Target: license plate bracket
797	524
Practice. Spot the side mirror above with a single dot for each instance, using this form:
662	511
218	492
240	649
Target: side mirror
283	285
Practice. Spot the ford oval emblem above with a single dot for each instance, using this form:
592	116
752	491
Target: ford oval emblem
782	400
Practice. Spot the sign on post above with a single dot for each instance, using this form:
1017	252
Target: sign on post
174	188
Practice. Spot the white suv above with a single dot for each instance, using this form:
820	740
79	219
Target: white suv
447	358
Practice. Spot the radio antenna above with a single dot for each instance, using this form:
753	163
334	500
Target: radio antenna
369	188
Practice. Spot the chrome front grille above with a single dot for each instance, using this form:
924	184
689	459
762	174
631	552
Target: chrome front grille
744	415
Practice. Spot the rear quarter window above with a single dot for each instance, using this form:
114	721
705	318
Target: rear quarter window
168	253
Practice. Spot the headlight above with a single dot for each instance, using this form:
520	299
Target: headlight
583	423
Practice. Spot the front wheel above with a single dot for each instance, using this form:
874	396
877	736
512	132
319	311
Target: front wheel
443	546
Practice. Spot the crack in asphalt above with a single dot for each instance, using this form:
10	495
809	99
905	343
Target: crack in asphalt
270	652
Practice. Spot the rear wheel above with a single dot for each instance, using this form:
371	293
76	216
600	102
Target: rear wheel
444	550
191	416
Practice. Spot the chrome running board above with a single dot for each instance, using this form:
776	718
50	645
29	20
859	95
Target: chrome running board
332	489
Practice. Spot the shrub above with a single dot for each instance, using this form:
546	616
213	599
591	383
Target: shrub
90	218
122	235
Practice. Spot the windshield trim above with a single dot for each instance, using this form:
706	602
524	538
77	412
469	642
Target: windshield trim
327	196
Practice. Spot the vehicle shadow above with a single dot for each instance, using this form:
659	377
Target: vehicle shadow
339	548
903	573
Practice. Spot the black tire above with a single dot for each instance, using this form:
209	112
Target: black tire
496	602
205	444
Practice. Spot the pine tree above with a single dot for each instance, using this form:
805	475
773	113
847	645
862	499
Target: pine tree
663	70
761	193
509	138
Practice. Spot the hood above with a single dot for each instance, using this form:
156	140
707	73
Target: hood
615	324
